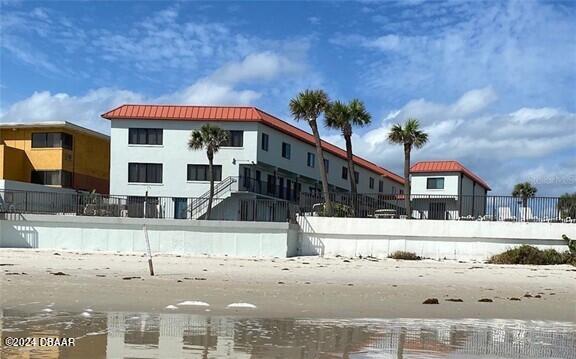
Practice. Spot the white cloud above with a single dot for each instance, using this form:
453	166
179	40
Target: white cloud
314	20
220	87
83	110
525	49
502	148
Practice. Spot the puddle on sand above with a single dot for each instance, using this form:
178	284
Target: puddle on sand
174	335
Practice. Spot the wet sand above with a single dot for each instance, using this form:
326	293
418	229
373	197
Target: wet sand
310	287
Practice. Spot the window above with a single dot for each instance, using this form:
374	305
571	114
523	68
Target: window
345	173
326	165
286	150
235	139
264	143
52	139
145	136
57	178
356	177
145	172
380	186
435	183
371	183
200	172
311	159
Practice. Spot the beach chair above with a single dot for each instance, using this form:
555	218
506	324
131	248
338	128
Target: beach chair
527	216
504	214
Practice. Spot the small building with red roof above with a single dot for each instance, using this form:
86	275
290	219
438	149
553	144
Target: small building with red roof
447	190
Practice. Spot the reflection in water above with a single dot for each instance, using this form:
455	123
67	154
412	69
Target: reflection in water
130	335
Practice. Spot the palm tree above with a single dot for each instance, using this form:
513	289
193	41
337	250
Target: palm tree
410	135
210	138
567	205
342	117
524	190
308	106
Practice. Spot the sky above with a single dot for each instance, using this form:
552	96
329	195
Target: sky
492	83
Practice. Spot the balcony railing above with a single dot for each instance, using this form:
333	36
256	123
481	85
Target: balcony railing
272	189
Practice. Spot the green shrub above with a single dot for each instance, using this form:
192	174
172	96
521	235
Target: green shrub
338	210
526	254
409	256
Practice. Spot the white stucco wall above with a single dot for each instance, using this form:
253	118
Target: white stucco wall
174	155
298	163
451	183
461	240
218	238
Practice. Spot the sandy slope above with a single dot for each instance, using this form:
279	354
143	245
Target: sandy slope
298	287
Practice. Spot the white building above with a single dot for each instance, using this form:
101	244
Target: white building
266	157
447	190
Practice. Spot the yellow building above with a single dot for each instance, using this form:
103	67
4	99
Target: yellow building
57	154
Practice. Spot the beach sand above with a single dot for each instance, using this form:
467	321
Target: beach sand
310	287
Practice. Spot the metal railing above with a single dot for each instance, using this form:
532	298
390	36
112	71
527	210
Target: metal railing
92	204
271	189
439	207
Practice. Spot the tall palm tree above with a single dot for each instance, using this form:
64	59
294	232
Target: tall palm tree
342	117
410	136
524	190
210	138
308	106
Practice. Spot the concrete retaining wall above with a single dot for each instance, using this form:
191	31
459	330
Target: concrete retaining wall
240	239
462	240
459	240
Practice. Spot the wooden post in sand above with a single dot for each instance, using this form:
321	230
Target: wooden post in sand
149	251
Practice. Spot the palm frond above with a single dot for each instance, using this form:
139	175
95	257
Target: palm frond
309	104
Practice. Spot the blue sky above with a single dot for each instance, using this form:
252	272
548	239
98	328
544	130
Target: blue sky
494	83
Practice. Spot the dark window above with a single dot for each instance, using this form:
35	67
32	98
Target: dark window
344	173
57	178
200	172
52	139
326	165
380	186
235	139
286	150
311	159
145	136
145	172
371	183
356	177
264	144
435	183
66	140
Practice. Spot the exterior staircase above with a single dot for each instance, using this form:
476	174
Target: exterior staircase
222	190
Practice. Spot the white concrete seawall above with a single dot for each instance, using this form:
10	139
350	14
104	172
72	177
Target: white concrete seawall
461	240
239	239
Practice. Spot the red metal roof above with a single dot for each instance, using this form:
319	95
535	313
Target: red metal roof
234	114
446	166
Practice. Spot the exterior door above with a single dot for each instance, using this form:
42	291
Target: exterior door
437	210
180	208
